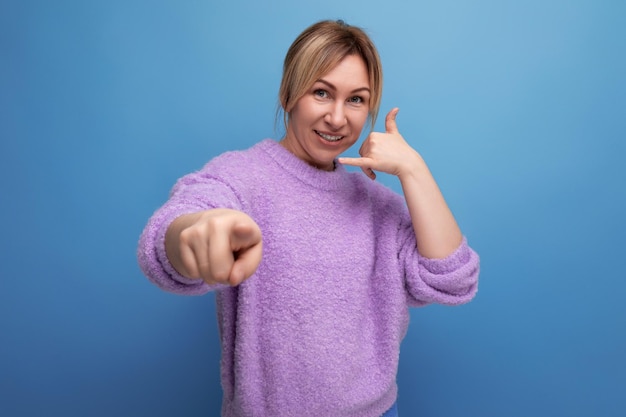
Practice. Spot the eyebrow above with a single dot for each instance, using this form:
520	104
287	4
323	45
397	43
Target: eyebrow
330	85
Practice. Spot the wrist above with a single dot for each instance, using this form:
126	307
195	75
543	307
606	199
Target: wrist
414	169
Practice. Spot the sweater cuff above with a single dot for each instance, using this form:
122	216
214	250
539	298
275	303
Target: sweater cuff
452	262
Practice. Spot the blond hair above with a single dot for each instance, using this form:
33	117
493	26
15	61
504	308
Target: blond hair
316	51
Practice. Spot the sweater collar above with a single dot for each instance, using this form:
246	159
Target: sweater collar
296	167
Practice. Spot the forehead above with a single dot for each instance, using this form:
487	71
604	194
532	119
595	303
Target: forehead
350	73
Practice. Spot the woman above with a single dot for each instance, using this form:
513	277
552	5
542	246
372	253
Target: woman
313	268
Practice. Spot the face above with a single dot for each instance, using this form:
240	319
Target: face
329	118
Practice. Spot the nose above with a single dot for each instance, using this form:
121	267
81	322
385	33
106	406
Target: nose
336	116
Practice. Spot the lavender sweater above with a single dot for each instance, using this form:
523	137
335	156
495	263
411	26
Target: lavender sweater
316	331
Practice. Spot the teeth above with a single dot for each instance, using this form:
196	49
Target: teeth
328	137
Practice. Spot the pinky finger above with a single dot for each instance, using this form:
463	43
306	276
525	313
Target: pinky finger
369	172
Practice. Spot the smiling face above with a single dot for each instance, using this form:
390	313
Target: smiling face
329	117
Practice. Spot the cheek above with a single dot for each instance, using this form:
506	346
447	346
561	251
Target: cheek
360	119
303	112
295	118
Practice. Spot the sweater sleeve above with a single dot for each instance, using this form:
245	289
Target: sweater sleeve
452	280
192	193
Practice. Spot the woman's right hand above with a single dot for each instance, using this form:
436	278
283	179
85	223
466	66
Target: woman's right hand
218	246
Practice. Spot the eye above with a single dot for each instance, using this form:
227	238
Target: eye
356	100
320	93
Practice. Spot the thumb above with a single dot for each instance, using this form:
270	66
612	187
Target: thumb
390	121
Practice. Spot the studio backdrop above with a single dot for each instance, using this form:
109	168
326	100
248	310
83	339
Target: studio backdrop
519	109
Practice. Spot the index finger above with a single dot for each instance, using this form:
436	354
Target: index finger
356	162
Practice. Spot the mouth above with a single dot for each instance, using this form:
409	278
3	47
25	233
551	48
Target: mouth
328	138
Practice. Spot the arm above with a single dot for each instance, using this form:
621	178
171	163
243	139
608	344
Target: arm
436	231
193	195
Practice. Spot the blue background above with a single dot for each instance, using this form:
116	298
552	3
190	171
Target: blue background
518	107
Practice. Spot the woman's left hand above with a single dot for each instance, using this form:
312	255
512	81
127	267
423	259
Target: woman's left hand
385	152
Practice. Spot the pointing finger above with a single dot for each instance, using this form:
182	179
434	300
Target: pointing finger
355	162
246	242
390	121
246	263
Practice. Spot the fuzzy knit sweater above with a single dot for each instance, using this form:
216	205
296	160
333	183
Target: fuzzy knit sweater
316	331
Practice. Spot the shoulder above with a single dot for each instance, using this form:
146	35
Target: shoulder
229	180
235	158
234	164
233	169
377	192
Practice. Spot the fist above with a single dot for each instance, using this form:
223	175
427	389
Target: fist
218	246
